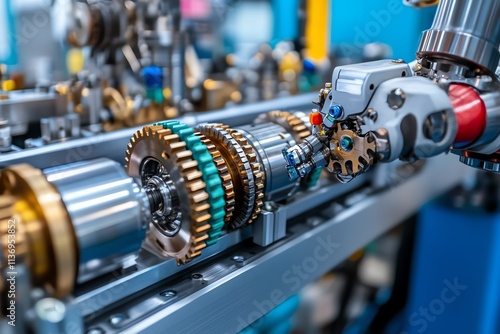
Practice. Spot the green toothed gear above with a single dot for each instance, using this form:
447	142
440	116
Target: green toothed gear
210	176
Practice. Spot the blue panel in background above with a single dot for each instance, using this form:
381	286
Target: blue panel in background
456	273
8	54
358	22
285	19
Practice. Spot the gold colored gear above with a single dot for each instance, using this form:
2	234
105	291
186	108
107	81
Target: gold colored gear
227	182
258	174
172	154
355	161
44	236
239	168
289	121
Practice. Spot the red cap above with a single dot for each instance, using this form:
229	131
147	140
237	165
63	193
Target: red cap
315	118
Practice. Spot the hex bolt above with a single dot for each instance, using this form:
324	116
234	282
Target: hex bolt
396	98
50	310
95	330
238	258
346	143
372	114
397	61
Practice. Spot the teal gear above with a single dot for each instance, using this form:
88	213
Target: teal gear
210	176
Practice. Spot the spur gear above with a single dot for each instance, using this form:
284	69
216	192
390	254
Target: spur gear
209	175
240	170
227	182
351	154
32	212
258	174
289	121
155	151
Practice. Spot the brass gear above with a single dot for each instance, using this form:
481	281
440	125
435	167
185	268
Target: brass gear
187	238
353	162
258	174
289	121
239	168
44	236
227	182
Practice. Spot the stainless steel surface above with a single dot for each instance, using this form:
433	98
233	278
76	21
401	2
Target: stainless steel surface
270	226
113	144
28	106
108	210
269	140
220	303
467	30
153	270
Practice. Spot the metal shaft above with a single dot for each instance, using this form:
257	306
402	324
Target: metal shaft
466	30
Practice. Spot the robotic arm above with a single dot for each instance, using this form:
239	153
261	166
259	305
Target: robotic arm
448	99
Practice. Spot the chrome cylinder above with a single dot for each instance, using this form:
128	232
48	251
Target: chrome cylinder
464	30
108	210
269	140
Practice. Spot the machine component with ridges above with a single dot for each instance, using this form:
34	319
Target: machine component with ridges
157	151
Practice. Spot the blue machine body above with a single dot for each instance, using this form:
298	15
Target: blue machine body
8	48
455	284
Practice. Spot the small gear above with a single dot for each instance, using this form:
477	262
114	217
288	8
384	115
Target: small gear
227	182
289	121
240	170
191	223
351	154
258	174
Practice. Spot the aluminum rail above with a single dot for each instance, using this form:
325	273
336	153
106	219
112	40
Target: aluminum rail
230	297
113	144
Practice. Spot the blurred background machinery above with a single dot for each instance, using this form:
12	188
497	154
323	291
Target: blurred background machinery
160	166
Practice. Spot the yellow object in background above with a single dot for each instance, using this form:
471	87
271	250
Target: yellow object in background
317	30
74	61
9	85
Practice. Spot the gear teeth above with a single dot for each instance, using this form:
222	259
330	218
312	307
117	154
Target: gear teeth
258	175
239	169
227	183
198	215
209	175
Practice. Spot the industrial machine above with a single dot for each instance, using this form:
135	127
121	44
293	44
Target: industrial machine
206	222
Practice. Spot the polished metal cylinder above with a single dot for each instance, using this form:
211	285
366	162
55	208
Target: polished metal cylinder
269	140
464	30
108	210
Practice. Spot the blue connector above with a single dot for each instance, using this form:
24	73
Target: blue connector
336	111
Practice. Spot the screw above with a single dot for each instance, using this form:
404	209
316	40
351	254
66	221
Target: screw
197	276
336	111
51	310
396	98
372	114
95	330
397	61
168	293
238	258
346	143
117	319
328	85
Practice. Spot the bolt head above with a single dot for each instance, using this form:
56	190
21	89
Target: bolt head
346	143
336	111
396	98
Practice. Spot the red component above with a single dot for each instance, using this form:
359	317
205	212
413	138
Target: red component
315	118
470	112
